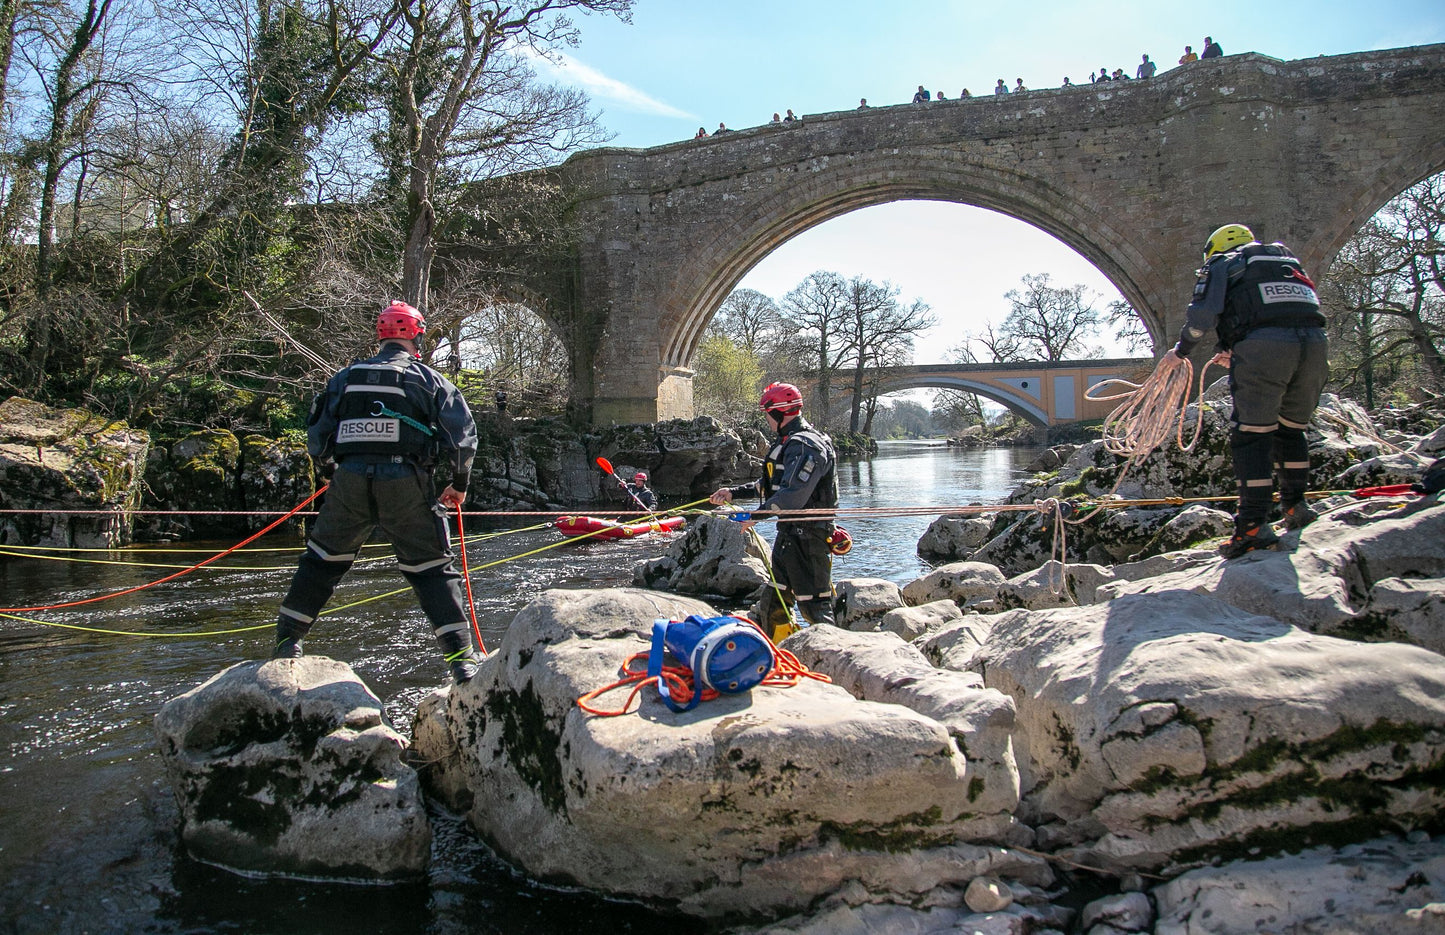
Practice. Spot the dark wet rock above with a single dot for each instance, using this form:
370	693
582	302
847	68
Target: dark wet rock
57	460
713	557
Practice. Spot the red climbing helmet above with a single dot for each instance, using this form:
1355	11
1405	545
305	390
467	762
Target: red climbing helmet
782	398
640	477
399	320
839	542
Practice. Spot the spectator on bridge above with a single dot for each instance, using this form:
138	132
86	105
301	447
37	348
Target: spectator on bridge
938	96
1264	309
920	95
1211	48
862	103
701	133
1019	86
1102	76
1118	75
721	128
800	474
1000	88
1067	83
776	118
1146	68
1188	56
790	118
964	95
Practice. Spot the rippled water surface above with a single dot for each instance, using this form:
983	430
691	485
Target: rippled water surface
88	839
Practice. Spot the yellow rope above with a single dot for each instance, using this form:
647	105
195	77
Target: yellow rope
333	610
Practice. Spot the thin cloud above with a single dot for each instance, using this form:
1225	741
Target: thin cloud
598	85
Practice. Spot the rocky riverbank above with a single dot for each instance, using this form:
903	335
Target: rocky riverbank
1180	745
77	476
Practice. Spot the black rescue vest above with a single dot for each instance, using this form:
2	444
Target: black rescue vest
1270	291
825	494
375	417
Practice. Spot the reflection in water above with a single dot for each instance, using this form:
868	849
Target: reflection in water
87	824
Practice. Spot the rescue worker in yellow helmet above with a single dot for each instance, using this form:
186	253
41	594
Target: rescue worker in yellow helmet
800	472
1266	313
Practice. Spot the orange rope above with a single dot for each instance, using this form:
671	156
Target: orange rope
787	672
467	577
174	575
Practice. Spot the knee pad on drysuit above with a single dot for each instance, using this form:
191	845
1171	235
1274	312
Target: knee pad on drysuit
1254	471
1291	463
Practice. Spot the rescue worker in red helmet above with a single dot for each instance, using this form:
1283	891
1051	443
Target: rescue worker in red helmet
800	472
389	423
1264	308
644	494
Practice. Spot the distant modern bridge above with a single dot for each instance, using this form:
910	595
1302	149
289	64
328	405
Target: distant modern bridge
1132	175
1043	393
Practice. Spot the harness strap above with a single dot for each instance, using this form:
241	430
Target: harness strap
382	410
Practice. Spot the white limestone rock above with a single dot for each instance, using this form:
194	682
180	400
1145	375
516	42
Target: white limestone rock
964	583
759	803
1326	583
1164	726
1381	886
913	622
952	537
861	603
289	767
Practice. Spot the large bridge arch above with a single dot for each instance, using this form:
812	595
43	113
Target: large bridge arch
713	271
1132	176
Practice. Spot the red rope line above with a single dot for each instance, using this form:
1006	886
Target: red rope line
467	577
174	575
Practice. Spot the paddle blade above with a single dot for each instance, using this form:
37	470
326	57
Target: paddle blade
605	465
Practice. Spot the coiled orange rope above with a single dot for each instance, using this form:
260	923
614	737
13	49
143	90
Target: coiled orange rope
787	672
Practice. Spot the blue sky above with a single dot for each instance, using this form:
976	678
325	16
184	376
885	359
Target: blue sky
682	64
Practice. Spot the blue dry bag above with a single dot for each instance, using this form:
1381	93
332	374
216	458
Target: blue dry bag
724	654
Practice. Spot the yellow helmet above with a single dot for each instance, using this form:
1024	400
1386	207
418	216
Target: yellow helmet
1227	238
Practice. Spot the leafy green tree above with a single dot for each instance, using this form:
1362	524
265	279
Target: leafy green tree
728	380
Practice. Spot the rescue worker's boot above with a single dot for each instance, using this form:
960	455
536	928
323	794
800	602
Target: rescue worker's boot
457	649
289	634
1249	535
1298	516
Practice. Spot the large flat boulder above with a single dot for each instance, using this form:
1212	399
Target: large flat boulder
289	767
748	805
1326	578
1158	728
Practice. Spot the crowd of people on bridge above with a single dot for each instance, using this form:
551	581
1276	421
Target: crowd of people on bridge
1146	69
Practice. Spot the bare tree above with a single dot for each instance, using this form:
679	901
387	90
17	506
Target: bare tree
466	102
817	309
1050	323
880	333
1388	287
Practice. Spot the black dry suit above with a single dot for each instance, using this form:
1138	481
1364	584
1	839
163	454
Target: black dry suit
799	473
388	421
1266	312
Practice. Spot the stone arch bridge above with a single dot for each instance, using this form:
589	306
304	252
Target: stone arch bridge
1045	393
1133	175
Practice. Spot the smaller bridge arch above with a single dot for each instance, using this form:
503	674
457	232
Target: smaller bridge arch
1042	392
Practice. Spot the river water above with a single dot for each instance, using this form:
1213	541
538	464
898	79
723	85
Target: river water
88	825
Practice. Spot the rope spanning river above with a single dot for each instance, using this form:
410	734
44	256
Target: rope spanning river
88	824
